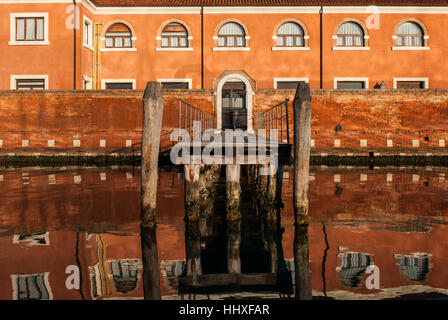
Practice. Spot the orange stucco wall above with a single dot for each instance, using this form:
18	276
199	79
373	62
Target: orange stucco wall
380	63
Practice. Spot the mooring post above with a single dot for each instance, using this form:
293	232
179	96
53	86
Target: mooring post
233	192
192	174
302	263
151	273
302	140
152	126
233	246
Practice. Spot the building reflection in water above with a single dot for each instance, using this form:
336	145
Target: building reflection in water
239	259
353	266
416	266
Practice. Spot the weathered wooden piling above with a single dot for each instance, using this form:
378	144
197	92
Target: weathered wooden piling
302	263
152	126
193	237
233	192
151	274
233	246
192	175
302	141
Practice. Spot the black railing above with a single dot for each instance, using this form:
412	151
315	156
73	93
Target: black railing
275	118
188	114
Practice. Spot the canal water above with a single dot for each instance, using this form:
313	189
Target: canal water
55	221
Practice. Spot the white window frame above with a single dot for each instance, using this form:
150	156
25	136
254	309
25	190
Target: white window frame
365	80
90	35
12	28
89	85
104	81
189	81
276	48
189	48
133	48
15	77
276	80
424	80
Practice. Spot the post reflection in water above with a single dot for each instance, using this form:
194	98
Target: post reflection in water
302	263
151	274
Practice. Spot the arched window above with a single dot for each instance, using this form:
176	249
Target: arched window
290	34
410	34
350	34
174	35
231	35
118	35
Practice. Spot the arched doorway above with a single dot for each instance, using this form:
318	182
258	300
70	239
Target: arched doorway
234	94
234	112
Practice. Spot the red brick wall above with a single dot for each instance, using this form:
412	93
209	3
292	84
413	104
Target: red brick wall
115	116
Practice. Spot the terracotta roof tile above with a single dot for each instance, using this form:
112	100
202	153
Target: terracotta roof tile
107	3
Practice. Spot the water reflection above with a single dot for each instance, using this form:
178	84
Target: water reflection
151	275
387	217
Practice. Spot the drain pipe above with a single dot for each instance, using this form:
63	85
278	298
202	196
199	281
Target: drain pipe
321	49
75	9
202	47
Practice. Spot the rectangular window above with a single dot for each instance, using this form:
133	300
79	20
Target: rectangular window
88	33
175	85
119	85
287	84
30	84
29	29
351	85
410	84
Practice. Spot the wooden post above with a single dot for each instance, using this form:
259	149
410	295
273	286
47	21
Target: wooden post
302	263
192	173
151	273
152	126
233	246
233	192
302	140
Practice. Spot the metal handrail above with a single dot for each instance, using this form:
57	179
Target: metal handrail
188	114
275	118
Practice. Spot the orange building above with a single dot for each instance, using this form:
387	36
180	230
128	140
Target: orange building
230	47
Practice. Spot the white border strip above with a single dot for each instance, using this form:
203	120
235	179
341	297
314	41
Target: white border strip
351	48
175	49
290	48
243	9
404	48
231	49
